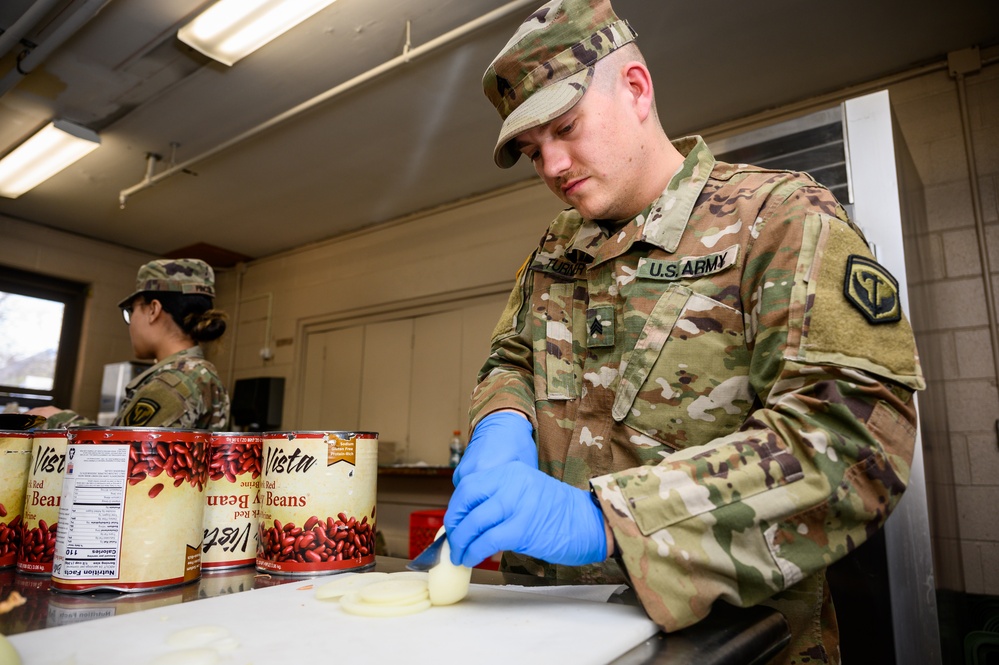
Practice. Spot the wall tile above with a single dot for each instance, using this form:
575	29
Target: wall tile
987	186
937	355
971	555
948	206
907	96
972	406
986	161
24	254
983	98
942	508
974	353
948	565
924	260
989	553
932	117
961	253
983	453
955	303
920	153
948	162
960	459
977	512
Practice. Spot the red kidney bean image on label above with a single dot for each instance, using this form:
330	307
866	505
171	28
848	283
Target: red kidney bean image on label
232	501
317	502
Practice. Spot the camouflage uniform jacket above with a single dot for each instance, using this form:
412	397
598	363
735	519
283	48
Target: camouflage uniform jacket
182	391
723	373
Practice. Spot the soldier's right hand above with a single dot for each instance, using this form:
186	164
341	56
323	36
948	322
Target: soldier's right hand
500	437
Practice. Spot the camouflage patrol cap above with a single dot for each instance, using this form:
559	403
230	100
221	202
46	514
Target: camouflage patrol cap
547	65
179	275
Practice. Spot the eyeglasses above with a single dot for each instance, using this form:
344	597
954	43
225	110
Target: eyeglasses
126	313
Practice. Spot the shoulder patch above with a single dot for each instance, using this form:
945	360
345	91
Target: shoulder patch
141	412
872	290
508	322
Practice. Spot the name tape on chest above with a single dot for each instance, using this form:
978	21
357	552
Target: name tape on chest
689	267
558	266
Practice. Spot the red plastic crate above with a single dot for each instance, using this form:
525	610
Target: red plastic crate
423	526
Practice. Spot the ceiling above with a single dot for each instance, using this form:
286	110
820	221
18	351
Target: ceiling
383	144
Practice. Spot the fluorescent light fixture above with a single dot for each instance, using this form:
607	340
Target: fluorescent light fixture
230	30
54	147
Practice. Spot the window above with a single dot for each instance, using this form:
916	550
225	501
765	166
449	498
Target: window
815	143
40	323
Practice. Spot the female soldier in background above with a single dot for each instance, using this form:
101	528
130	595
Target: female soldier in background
169	315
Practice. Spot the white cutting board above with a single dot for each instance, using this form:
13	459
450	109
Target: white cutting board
286	624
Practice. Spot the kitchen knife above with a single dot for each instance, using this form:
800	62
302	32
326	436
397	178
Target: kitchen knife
429	557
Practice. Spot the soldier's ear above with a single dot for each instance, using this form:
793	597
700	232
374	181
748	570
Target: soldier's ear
639	85
155	309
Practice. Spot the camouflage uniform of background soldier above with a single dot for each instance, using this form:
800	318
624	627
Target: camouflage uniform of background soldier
729	372
184	389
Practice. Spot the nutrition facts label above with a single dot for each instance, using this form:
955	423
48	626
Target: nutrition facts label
88	542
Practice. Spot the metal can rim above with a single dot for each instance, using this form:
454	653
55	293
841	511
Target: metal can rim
120	428
321	432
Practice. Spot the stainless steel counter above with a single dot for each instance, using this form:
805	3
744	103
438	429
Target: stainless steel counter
729	636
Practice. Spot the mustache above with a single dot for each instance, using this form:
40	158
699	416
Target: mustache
564	179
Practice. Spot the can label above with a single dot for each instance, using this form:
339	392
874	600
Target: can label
41	502
232	506
132	509
15	459
317	502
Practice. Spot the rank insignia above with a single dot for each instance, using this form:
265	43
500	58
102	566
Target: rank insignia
600	326
872	290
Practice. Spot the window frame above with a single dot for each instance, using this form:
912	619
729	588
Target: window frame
73	296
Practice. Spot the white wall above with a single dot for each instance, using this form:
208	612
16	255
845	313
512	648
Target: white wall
471	248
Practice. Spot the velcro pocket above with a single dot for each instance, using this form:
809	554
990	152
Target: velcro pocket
637	364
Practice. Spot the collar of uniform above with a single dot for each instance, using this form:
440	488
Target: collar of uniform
193	352
661	224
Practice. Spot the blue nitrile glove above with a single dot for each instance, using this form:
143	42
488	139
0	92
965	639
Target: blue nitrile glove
498	438
518	508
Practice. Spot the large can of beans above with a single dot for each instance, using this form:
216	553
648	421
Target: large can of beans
317	502
131	517
15	459
41	502
231	501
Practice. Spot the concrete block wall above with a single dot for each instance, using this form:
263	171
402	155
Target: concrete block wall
960	409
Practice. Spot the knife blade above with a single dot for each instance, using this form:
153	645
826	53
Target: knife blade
429	557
